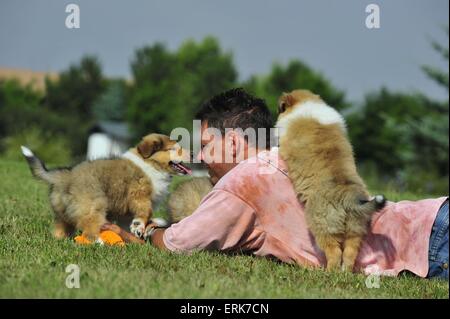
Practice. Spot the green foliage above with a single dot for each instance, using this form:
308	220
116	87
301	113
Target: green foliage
63	110
207	68
170	86
51	149
22	109
111	104
403	134
76	89
411	179
431	136
295	75
380	130
72	97
433	129
18	107
155	103
437	75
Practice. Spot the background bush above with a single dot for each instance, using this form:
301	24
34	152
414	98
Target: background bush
401	139
53	150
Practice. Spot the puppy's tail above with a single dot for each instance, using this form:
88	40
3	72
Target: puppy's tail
371	206
39	170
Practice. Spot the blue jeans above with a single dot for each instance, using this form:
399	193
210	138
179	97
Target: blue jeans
438	253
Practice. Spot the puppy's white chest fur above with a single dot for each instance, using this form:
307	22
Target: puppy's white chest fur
320	112
160	180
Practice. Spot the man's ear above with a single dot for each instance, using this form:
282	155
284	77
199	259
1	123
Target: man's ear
229	145
149	145
237	143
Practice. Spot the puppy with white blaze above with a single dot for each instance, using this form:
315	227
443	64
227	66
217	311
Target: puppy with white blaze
124	188
314	144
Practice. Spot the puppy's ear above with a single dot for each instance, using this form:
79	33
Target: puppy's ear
150	145
289	99
286	100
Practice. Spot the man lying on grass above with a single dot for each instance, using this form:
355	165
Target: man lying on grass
253	207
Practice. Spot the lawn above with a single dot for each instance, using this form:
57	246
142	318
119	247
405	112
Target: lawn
32	263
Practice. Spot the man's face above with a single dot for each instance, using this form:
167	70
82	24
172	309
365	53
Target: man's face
213	150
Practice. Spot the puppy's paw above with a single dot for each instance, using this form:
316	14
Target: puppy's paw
148	231
137	227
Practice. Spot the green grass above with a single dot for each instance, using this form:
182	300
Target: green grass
32	263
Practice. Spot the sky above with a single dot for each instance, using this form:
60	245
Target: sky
329	35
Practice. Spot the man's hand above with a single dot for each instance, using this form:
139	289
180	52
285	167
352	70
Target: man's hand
149	230
156	235
126	236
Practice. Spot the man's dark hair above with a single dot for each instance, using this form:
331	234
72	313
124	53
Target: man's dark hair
236	108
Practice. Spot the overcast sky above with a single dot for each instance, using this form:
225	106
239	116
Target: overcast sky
329	35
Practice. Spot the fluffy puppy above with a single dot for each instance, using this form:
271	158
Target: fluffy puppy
185	199
87	195
321	165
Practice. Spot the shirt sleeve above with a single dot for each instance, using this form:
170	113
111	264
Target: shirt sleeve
223	221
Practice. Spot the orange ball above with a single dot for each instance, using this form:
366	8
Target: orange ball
108	237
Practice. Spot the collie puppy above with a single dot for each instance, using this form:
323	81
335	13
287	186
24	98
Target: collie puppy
185	199
314	143
85	196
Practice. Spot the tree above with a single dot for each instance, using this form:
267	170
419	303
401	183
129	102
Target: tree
19	106
208	70
76	89
295	75
71	97
406	134
169	86
432	130
111	104
155	101
380	131
439	76
24	120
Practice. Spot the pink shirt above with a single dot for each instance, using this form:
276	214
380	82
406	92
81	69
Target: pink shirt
254	208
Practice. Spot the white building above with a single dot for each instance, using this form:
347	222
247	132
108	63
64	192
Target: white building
108	139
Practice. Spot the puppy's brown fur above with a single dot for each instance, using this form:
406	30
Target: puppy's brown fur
85	196
186	198
321	165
